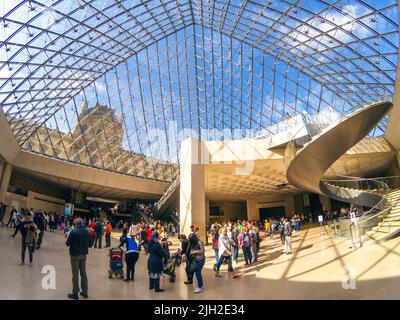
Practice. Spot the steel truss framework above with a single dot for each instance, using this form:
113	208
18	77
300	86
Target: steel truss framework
118	84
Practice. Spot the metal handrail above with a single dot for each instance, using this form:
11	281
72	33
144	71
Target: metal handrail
168	191
356	179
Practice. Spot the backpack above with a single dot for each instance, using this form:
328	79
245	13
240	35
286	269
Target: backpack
253	237
246	239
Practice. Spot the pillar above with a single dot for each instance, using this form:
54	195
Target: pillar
252	210
325	202
192	188
207	211
5	180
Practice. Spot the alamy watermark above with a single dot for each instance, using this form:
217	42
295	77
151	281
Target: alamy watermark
49	278
349	280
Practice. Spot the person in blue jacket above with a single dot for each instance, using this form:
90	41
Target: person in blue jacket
131	256
155	263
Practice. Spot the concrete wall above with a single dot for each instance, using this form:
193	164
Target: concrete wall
34	200
255	204
231	209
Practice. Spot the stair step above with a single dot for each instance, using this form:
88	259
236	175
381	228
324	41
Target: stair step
373	238
391	219
385	229
393	214
389	224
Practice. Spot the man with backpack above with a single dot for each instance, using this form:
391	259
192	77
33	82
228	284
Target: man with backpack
98	233
287	229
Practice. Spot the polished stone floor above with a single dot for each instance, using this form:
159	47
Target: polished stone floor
319	268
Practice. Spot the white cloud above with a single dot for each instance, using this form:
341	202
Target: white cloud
100	86
345	21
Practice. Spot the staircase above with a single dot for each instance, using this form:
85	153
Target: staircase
146	217
389	226
168	201
307	166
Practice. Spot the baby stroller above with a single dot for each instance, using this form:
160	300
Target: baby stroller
116	263
172	263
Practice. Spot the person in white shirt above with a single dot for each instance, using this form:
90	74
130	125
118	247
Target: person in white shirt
13	219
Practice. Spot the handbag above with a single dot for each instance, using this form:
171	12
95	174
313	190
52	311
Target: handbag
193	266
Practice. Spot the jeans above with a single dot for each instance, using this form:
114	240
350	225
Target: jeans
11	223
108	240
30	250
228	260
247	254
271	234
40	239
16	230
216	257
154	284
288	244
254	251
78	265
131	259
235	252
199	277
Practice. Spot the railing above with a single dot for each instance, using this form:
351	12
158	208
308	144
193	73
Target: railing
350	188
367	192
167	193
145	217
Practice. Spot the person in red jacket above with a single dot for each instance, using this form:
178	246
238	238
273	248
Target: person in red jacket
149	232
91	228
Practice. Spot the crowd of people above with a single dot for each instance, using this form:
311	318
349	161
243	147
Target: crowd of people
147	209
231	241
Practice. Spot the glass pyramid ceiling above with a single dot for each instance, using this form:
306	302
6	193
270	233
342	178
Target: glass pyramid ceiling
118	84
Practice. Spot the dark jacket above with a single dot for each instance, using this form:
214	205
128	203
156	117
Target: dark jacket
98	228
143	236
155	262
79	241
24	226
184	247
39	220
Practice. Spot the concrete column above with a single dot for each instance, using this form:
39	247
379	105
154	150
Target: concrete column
207	210
289	206
192	188
5	180
252	210
326	204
